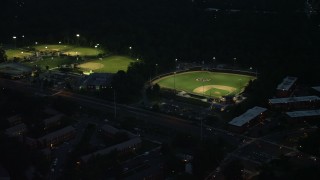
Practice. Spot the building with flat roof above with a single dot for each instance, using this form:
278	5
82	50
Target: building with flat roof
17	130
14	120
248	118
295	116
286	87
57	137
97	81
52	121
14	70
295	102
124	147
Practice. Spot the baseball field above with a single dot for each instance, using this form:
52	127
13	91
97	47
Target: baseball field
11	53
206	83
70	50
111	64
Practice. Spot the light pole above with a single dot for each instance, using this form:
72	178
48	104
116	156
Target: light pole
213	60
176	60
15	41
156	70
78	36
234	62
22	40
174	82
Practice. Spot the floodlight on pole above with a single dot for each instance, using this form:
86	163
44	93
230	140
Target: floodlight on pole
15	42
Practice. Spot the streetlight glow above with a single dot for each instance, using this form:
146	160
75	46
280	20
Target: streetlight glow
14	37
78	35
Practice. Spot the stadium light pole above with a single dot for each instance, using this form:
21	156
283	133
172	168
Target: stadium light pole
213	60
15	41
234	62
22	40
174	81
156	70
78	36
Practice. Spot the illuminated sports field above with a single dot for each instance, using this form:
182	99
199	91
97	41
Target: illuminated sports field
11	53
111	64
210	84
70	49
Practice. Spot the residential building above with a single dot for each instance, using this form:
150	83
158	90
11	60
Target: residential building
286	87
247	119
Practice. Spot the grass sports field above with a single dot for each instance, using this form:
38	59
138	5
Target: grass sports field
212	84
11	53
70	49
52	62
111	64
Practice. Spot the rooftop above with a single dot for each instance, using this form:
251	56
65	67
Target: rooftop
317	88
308	113
119	147
57	133
287	83
294	99
247	116
109	129
12	131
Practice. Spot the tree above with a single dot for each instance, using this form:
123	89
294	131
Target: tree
3	56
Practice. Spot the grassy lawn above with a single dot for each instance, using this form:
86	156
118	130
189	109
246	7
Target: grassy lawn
55	62
213	84
111	64
11	53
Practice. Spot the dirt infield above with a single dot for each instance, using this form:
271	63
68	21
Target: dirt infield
91	65
208	87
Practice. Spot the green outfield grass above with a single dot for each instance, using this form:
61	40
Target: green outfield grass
111	64
55	62
214	84
11	53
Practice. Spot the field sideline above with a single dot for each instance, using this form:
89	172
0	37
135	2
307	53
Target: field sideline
207	83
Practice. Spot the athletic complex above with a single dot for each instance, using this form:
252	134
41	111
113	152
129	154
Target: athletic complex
209	84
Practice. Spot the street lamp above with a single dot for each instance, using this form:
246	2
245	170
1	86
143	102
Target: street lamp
234	62
156	69
130	47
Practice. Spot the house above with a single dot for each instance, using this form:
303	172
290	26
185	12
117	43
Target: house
14	120
286	87
109	131
52	121
295	102
123	148
296	116
247	119
57	137
17	130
